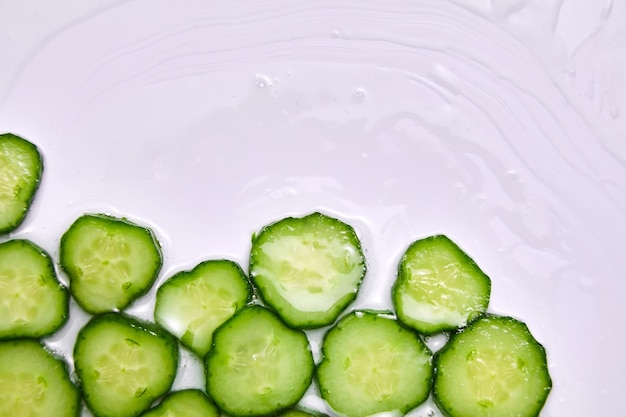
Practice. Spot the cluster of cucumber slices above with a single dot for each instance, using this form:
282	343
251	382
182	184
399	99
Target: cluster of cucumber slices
249	329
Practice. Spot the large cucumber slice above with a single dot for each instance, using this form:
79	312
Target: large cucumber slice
308	269
258	365
372	364
439	287
110	261
33	303
124	364
21	167
493	368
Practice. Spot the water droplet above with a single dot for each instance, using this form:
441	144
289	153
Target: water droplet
512	175
335	34
358	96
262	81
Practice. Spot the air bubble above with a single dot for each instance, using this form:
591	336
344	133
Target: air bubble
358	96
262	82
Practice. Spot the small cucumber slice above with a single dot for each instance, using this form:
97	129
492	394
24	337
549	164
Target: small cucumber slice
300	412
33	303
439	287
124	364
257	365
21	167
372	364
493	368
192	304
186	403
110	262
35	383
308	269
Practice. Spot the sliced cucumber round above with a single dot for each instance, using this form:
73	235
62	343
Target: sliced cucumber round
35	383
372	364
110	261
33	303
21	167
493	368
124	364
186	403
439	287
307	269
192	304
257	365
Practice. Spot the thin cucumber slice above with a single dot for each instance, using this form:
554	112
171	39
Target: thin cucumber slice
110	262
35	383
124	364
493	368
186	403
307	269
372	364
439	287
258	365
21	168
192	304
33	303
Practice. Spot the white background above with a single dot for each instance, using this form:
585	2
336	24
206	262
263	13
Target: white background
500	124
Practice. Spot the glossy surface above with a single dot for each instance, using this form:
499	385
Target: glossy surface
500	124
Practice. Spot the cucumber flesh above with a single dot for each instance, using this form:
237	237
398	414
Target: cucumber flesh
192	304
35	383
124	364
110	262
33	303
186	403
307	269
493	368
258	365
21	167
372	364
439	287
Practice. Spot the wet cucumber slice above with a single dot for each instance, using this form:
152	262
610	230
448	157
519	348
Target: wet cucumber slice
307	269
21	167
124	364
33	303
186	403
372	364
35	383
493	368
192	304
110	261
439	287
257	365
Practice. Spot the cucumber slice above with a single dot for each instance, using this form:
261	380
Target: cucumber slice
124	364
372	364
307	269
258	365
33	303
493	368
439	287
192	304
186	403
35	383
21	167
110	262
300	412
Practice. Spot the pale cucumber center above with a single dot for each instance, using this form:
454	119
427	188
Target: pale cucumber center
22	394
494	376
124	368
